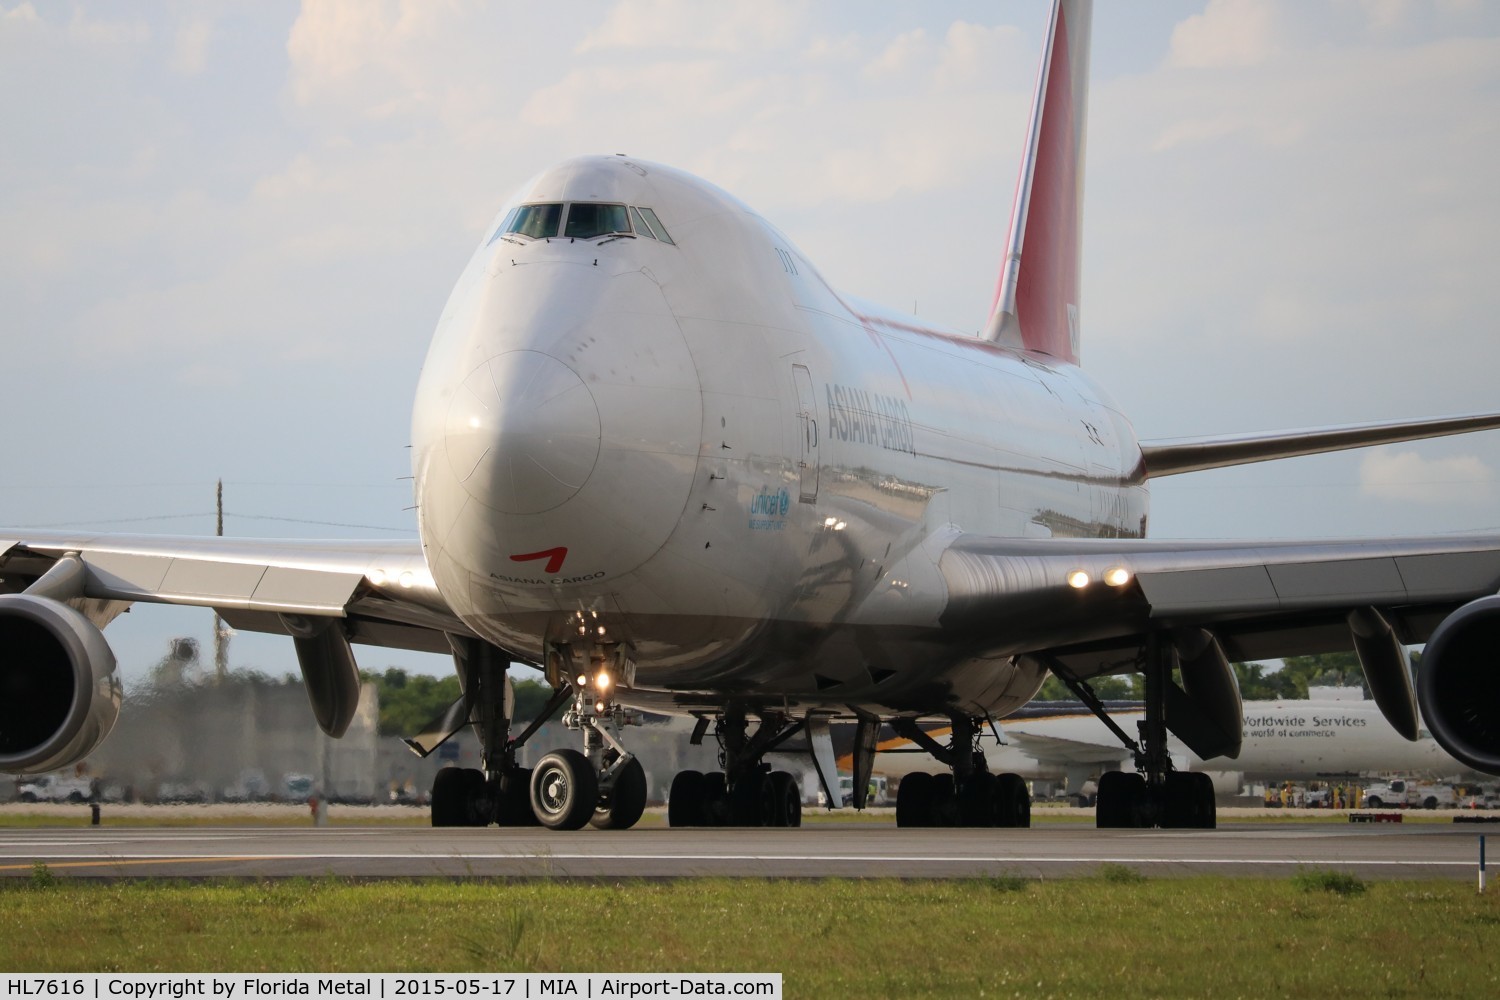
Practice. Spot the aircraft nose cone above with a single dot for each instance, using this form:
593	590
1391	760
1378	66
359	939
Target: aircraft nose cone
523	433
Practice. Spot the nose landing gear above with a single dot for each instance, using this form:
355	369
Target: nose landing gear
603	785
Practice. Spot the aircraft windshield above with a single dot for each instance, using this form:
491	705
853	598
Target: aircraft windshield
587	220
536	221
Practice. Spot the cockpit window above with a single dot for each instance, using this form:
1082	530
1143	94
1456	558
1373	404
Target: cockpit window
536	221
588	219
660	230
641	226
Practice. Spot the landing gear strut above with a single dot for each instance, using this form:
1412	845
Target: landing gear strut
1156	794
604	784
967	796
746	792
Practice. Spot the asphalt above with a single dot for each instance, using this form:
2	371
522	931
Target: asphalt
824	850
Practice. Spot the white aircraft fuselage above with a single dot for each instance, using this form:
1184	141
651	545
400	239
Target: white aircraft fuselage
702	452
1296	739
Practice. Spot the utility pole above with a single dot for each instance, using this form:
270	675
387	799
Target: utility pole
221	638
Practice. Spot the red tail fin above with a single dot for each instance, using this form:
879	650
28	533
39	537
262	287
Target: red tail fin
1036	301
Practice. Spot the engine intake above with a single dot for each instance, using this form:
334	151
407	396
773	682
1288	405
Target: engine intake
1458	684
59	695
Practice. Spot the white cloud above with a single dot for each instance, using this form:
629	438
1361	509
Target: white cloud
1458	480
904	54
190	47
688	24
1229	33
23	13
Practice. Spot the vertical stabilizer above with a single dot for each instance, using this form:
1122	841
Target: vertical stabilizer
1036	302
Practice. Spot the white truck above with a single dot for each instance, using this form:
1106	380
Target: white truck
1400	793
54	788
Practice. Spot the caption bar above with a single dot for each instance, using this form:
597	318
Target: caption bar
518	986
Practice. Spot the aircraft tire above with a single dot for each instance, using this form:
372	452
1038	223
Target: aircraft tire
449	803
944	805
1012	801
1208	809
515	799
749	804
627	799
1181	802
685	799
784	800
980	803
914	800
717	809
564	790
1117	806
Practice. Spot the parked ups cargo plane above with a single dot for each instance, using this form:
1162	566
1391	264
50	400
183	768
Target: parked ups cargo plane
658	456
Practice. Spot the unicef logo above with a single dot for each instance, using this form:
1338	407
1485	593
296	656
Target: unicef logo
768	504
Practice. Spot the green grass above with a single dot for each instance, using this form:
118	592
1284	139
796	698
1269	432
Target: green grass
1098	935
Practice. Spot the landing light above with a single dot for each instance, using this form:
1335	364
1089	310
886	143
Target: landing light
602	681
407	579
1078	579
599	707
474	422
830	522
841	526
378	577
1117	576
582	680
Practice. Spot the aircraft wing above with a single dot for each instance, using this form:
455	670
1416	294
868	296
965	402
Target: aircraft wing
1064	750
1259	599
381	590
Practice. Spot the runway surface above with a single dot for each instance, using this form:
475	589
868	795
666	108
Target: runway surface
826	850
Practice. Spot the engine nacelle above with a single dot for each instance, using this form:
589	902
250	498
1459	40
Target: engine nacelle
1458	685
59	695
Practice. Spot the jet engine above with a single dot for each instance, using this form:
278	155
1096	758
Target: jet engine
1458	684
59	695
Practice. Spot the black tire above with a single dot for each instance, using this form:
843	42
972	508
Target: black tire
1209	815
685	799
450	803
783	800
564	790
914	800
626	800
717	809
979	802
1012	802
1430	802
944	803
1374	802
515	799
1120	797
748	803
1180	806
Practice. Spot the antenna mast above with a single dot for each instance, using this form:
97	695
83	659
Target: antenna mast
221	631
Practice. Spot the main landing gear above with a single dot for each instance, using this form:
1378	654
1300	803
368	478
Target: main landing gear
967	796
745	792
604	785
1155	794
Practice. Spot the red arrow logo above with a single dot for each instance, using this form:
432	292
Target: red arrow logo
554	558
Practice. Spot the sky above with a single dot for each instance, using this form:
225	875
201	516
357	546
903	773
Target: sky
227	230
